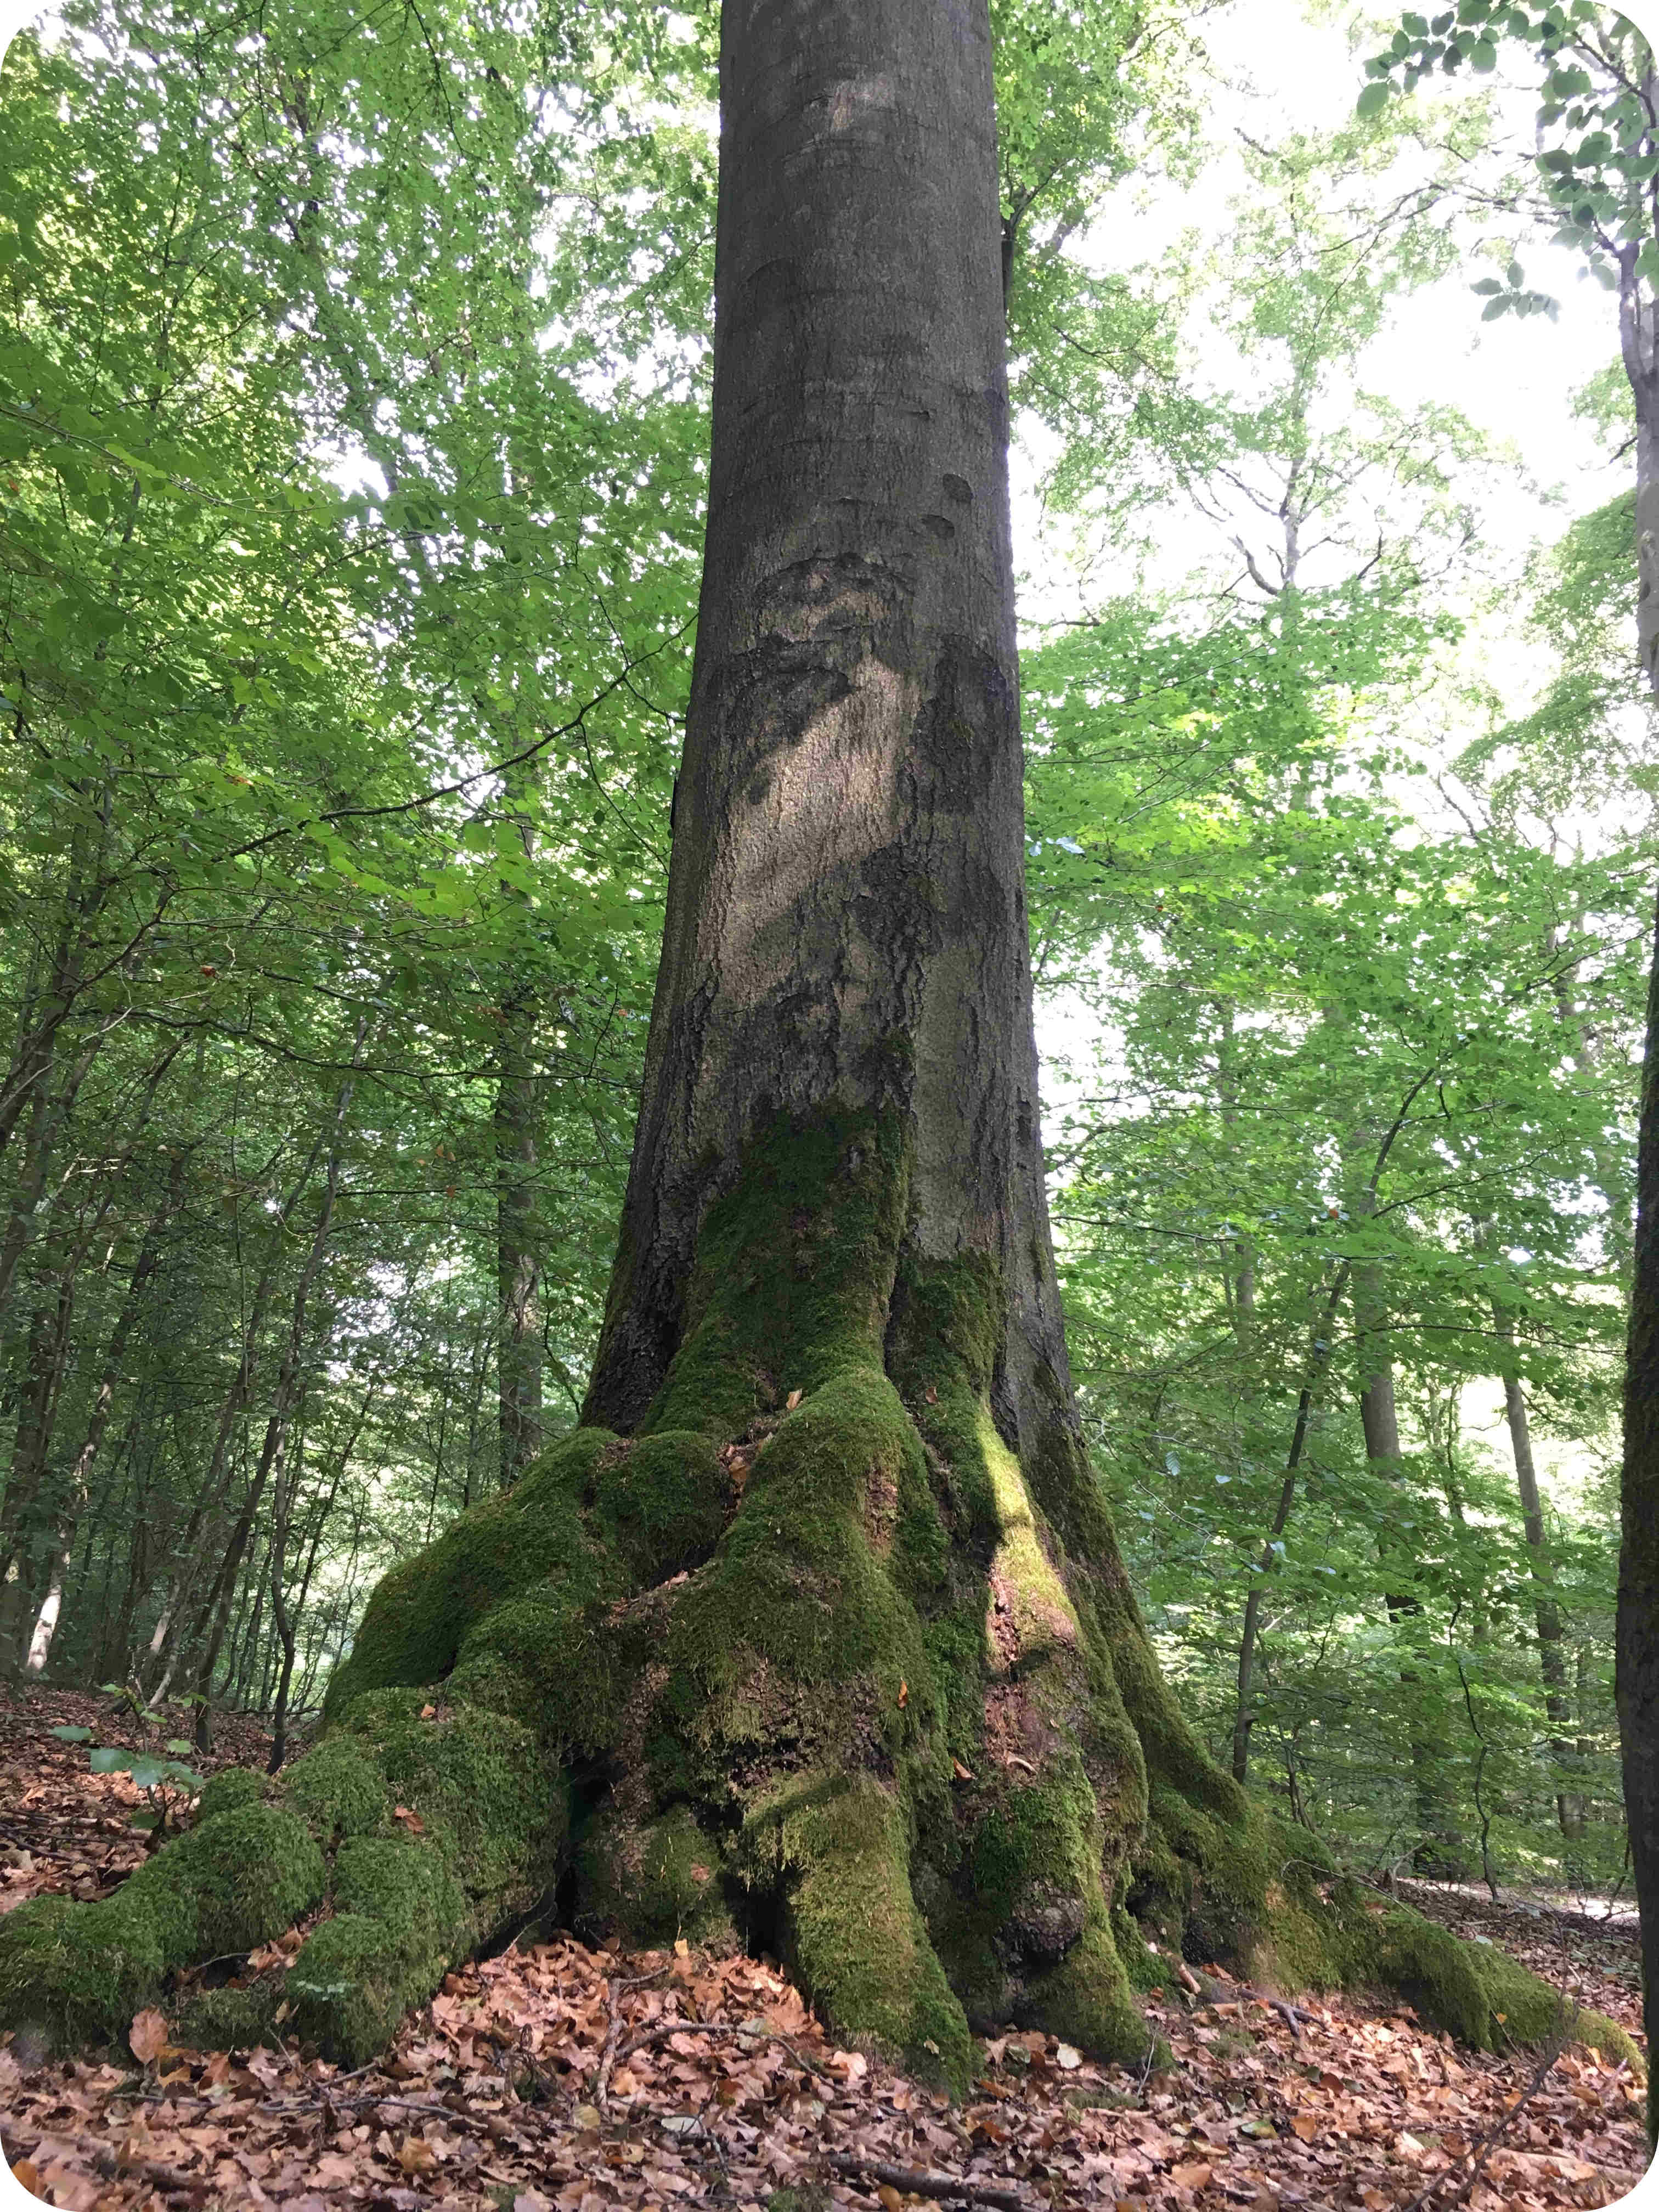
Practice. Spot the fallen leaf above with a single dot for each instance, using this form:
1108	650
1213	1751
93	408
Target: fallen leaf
961	1773
1067	2058
1191	2177
415	2156
904	1695
888	2198
792	1401
148	2036
1307	2125
411	1820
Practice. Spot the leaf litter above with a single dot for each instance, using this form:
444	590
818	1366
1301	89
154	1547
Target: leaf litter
559	2078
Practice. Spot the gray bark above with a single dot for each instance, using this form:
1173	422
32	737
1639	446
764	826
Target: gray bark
845	916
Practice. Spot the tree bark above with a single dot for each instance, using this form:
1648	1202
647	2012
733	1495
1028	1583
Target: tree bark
1637	1630
519	1334
1637	1633
846	906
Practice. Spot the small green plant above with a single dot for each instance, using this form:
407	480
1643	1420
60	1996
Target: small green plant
170	1786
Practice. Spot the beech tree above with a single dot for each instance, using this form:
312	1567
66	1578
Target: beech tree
814	1633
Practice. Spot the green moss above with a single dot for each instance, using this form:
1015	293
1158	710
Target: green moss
653	1881
1087	1998
420	1612
78	1972
840	1847
75	1974
338	1790
400	1918
478	1781
1148	1969
796	1636
793	1273
231	2019
1484	1997
662	1503
227	1791
247	1876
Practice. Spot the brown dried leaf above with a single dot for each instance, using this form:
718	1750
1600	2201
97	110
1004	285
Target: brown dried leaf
148	2036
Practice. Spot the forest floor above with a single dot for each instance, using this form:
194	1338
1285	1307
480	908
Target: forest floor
554	2076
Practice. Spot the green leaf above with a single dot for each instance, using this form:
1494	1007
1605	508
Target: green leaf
67	1735
1372	100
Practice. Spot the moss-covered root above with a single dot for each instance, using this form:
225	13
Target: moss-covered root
851	1925
1267	1900
424	1827
75	1974
1482	1996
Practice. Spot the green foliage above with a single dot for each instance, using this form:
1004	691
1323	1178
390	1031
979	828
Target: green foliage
1598	150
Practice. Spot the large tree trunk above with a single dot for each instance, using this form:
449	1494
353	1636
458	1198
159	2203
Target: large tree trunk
1638	1556
816	1633
1638	1631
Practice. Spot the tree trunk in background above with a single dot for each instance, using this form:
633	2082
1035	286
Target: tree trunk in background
77	1489
291	1382
519	1329
1439	1847
1547	1612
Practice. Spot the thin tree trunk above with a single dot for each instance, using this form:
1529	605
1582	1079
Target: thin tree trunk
1547	1612
162	1656
78	1486
518	1336
291	1380
1637	1623
1319	1360
1638	1635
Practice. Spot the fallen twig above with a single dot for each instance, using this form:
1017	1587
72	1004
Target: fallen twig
1482	2149
919	2182
112	2164
662	2031
615	1990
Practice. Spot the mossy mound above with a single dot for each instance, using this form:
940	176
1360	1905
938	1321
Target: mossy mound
77	1973
824	1657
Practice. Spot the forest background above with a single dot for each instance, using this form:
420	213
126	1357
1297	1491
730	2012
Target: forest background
352	416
